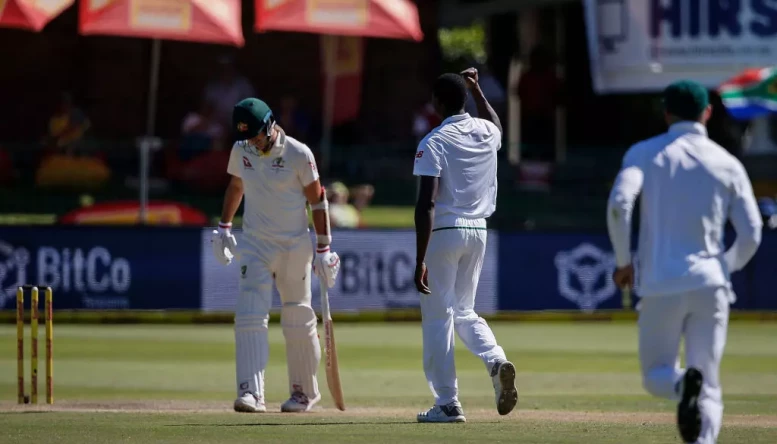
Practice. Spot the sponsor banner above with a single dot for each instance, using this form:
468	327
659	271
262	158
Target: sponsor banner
643	45
573	271
376	274
556	271
103	267
756	285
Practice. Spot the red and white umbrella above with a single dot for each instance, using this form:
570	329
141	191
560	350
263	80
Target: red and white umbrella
30	15
394	19
205	21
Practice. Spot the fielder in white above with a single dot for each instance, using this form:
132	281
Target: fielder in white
690	187
278	177
457	164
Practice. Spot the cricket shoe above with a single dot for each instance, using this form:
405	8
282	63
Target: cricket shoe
299	403
503	378
443	413
250	403
688	413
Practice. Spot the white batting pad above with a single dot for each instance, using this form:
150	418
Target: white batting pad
251	353
303	351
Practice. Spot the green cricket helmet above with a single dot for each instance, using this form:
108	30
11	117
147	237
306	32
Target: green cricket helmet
250	117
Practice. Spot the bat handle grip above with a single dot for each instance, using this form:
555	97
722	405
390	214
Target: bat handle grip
626	298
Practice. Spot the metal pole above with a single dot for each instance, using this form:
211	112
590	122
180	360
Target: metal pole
153	86
514	114
145	148
144	155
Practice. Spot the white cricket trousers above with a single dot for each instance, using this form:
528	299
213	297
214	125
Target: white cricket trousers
701	317
287	264
454	260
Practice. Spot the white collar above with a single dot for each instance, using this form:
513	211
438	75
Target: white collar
456	118
688	127
278	146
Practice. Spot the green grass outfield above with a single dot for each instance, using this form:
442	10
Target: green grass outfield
579	383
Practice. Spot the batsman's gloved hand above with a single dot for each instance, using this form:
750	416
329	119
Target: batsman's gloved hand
326	265
224	243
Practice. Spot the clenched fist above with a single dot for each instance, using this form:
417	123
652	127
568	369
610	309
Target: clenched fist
471	77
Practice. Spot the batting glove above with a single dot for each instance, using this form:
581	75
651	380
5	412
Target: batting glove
326	265
224	243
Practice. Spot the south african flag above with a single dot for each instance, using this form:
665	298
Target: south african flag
752	93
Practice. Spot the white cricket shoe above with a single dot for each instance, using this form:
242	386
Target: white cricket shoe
443	413
250	403
503	378
299	403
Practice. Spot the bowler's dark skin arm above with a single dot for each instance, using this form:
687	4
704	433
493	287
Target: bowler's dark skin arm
485	111
424	214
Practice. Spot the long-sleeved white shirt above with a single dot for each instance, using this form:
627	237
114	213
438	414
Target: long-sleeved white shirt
690	187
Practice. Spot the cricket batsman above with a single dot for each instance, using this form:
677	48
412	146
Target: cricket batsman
457	165
690	187
278	177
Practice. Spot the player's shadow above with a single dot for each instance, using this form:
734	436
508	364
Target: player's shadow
294	424
308	424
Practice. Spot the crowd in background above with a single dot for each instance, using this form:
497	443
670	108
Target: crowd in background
197	158
68	156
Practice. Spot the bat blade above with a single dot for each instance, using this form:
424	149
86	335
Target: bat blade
330	350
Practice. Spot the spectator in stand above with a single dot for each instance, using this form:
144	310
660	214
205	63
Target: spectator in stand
424	120
224	92
723	129
341	213
345	214
66	128
539	90
294	119
201	132
65	163
199	160
362	196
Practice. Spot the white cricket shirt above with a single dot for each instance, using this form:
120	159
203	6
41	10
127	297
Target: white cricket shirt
690	186
275	206
462	153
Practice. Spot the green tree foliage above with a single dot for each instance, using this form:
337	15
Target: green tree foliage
463	45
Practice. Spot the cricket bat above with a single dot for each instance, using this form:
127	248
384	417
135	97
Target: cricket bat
332	369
